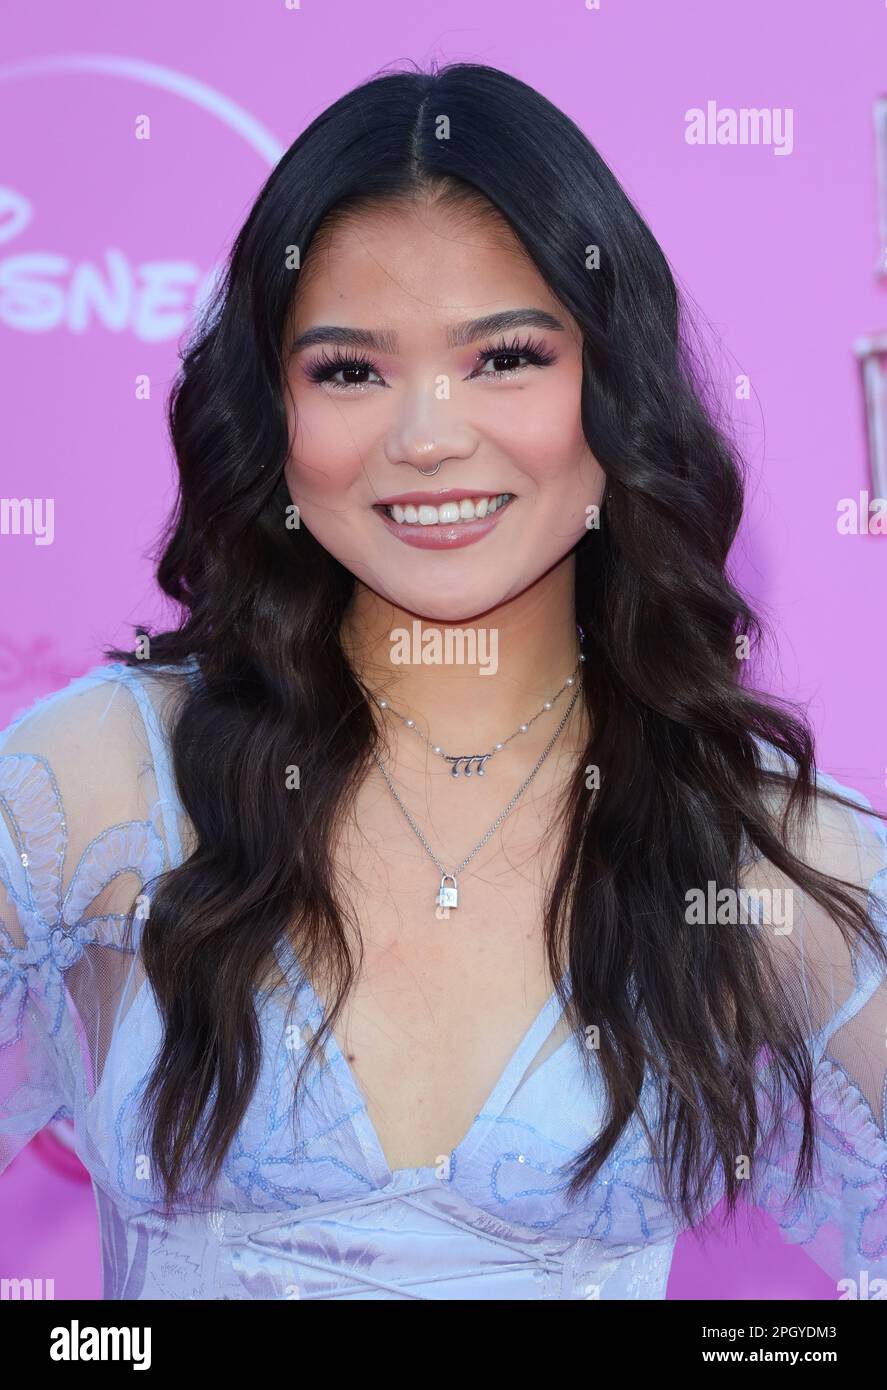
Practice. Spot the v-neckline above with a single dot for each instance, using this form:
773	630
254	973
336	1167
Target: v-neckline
351	1092
492	1108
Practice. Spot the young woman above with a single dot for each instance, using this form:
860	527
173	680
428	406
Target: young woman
435	911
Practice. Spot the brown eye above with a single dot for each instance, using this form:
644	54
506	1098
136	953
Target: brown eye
508	358
353	369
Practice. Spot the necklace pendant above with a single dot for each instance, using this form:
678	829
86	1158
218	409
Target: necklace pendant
464	761
448	895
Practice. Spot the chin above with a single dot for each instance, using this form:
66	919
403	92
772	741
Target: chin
450	611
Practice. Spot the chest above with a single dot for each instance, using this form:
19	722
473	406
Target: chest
442	999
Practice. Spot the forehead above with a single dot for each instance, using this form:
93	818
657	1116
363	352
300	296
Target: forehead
416	261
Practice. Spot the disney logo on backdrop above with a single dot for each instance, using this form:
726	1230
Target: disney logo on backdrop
36	661
43	290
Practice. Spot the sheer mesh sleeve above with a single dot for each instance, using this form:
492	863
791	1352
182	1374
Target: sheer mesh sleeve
84	827
842	1221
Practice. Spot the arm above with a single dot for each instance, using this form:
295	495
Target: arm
842	992
81	833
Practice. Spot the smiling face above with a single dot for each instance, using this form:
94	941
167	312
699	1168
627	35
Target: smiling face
423	336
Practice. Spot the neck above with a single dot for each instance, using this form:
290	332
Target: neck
480	679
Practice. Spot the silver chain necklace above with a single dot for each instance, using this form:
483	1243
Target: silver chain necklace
469	762
477	761
448	894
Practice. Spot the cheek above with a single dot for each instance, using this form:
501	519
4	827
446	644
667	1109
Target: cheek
328	446
541	432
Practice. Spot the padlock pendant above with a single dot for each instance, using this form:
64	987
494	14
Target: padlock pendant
449	893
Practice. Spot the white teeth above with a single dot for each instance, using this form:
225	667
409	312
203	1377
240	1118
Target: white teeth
467	509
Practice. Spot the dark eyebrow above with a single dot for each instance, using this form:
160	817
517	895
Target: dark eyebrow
457	336
464	333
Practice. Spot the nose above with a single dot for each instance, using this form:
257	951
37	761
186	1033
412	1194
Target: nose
429	429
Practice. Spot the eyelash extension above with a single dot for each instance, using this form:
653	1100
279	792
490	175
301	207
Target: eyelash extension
531	348
326	366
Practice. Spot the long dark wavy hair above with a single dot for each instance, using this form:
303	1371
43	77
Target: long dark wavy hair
685	794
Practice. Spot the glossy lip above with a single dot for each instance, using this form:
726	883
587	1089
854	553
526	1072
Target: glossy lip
433	498
447	536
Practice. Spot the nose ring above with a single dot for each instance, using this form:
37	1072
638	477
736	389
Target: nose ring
430	472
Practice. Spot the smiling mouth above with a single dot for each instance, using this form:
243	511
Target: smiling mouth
452	513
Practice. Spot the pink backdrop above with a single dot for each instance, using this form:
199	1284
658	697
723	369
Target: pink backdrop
107	242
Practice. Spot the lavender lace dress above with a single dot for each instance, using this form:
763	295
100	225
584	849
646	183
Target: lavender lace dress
89	815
